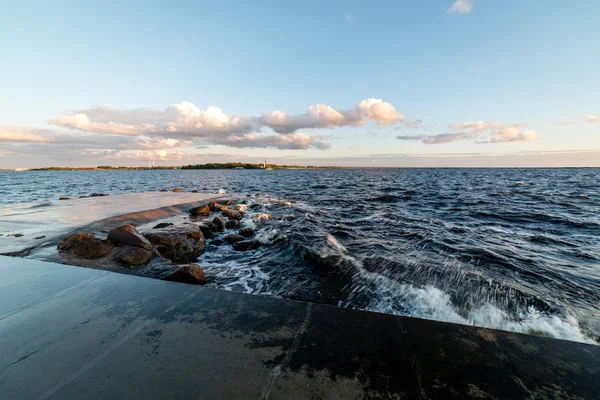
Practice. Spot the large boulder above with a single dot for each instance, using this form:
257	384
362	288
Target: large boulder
201	210
207	229
233	214
85	245
218	223
224	202
128	235
131	256
178	243
191	274
245	245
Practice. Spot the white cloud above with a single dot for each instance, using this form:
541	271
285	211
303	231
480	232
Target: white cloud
461	6
324	116
475	131
512	133
20	135
473	127
590	117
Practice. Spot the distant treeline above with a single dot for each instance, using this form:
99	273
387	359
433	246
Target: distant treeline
231	165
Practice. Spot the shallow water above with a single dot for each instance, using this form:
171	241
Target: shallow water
514	249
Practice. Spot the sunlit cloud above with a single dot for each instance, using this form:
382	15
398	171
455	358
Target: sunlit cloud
461	6
294	141
476	132
590	117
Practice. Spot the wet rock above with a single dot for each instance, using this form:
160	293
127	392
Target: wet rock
288	218
85	245
246	245
218	242
232	224
207	230
131	256
256	206
163	190
40	237
224	202
233	214
128	235
219	208
83	197
98	195
191	274
234	238
195	191
178	243
212	205
201	210
162	225
246	232
17	235
63	198
219	224
176	190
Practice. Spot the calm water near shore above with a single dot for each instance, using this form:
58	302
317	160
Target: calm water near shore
513	249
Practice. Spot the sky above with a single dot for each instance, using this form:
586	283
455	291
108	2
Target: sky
439	83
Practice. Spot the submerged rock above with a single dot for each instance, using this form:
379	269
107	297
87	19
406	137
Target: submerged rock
128	235
201	210
234	238
162	225
195	191
191	274
288	218
83	197
234	214
232	224
131	256
163	190
85	245
246	232
245	245
178	243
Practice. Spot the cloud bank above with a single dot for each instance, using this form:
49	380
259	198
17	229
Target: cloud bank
478	132
461	7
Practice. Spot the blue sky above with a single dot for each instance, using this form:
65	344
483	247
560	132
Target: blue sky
525	72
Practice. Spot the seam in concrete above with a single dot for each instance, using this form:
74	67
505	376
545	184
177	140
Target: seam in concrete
415	364
108	351
55	296
266	392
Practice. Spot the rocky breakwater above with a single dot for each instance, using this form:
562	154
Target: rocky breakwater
167	250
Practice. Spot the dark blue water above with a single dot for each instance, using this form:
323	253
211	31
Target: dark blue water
514	249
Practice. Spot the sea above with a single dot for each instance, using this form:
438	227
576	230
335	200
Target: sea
510	249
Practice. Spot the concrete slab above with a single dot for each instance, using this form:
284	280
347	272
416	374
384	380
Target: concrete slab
40	223
69	332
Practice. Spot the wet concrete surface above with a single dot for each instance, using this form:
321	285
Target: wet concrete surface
70	333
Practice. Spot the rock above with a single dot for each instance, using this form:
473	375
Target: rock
63	198
176	190
217	242
17	235
232	224
288	218
131	256
195	191
85	245
191	274
233	238
245	245
83	197
246	232
98	195
163	190
162	225
234	214
201	210
212	205
128	235
224	202
207	230
256	206
178	243
218	223
219	208
40	237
